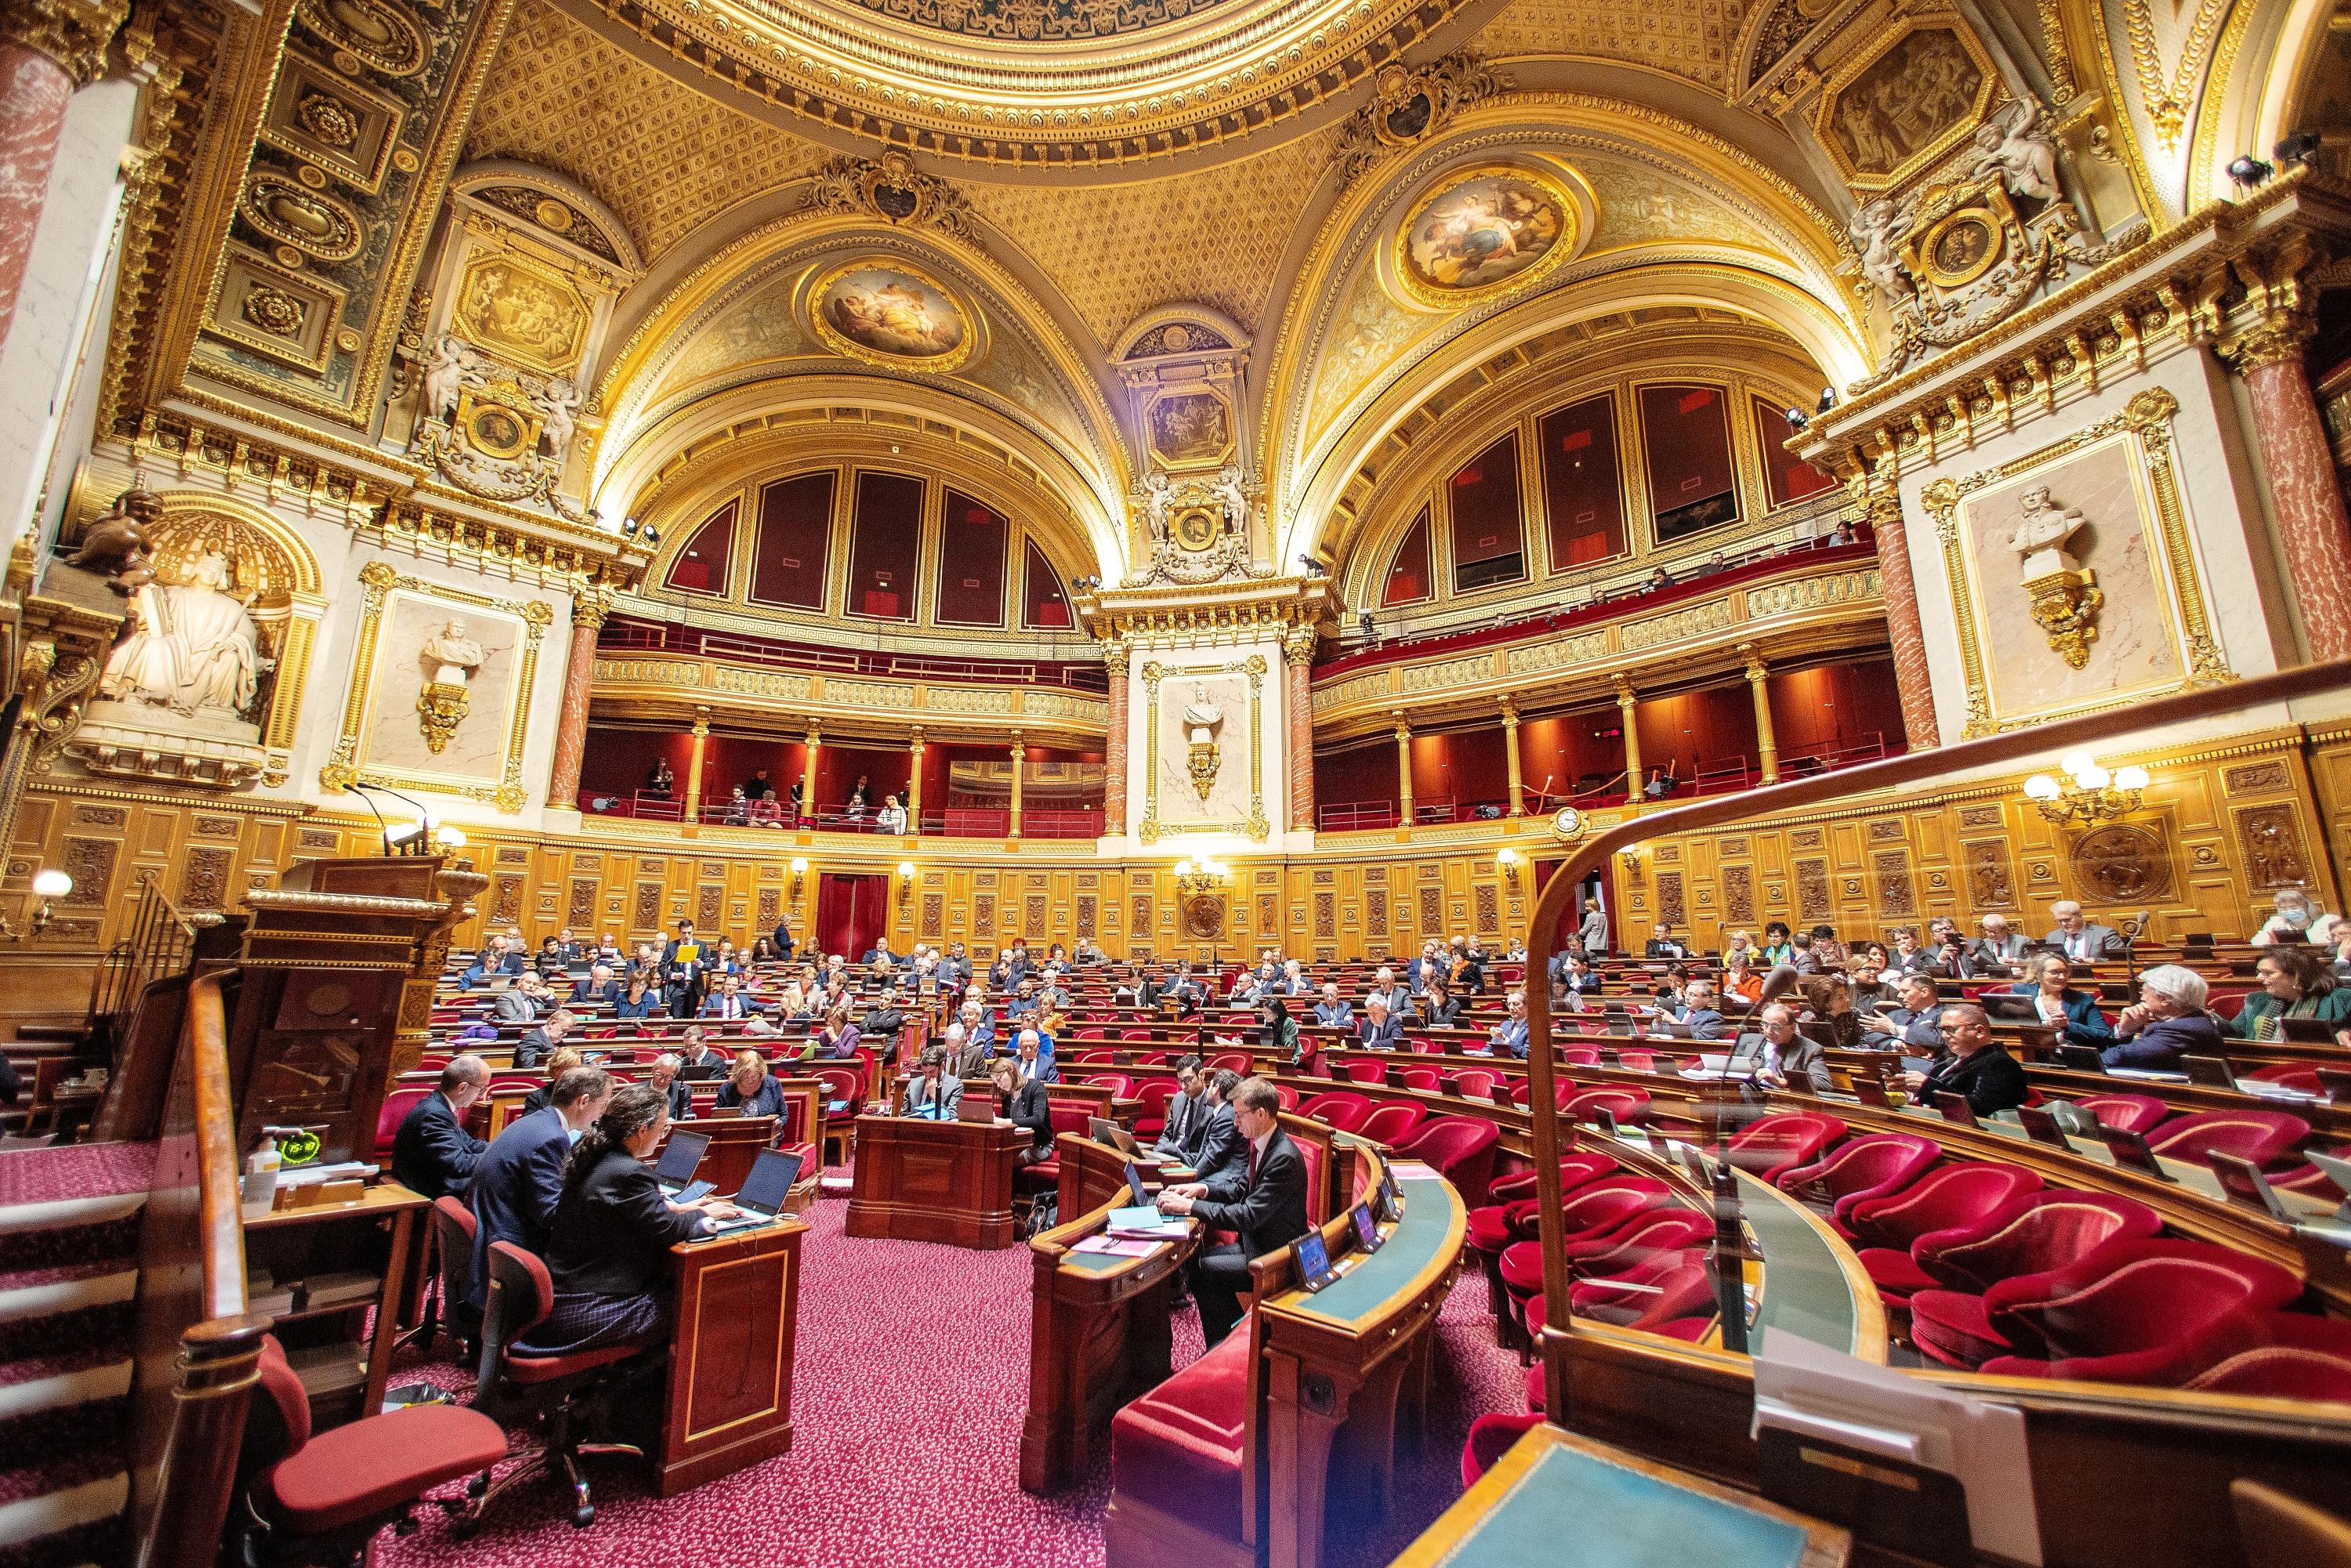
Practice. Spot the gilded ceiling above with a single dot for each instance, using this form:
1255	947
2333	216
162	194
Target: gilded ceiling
1036	21
1695	39
663	155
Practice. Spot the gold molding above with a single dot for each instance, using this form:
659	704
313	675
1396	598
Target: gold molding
2145	422
343	768
1899	27
74	34
1256	827
1563	248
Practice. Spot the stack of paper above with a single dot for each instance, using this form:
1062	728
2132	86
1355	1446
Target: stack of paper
1145	1221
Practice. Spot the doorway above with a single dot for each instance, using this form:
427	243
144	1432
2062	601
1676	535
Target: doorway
852	913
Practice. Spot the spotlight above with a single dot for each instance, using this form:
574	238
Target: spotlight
629	529
2300	147
1828	401
652	536
2248	170
1310	563
1798	419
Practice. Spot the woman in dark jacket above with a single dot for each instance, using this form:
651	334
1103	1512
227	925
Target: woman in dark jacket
1437	1008
748	1091
1275	1029
608	1247
2048	981
641	1000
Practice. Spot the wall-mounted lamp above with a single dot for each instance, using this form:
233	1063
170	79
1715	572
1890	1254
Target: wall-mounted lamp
906	879
799	870
48	885
1508	859
1206	876
2088	793
1631	861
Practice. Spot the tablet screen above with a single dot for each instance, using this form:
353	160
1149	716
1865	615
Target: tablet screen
1367	1229
1313	1259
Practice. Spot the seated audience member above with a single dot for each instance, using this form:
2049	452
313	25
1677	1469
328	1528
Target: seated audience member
563	1060
883	1019
1215	1145
608	1245
1333	1010
490	960
1740	983
2001	948
551	960
1468	975
1032	1053
1264	1200
1381	1029
1662	945
1509	1038
2168	1022
1776	949
748	1089
1277	1031
597	985
2295	919
2048	981
1973	1065
2342	951
1145	993
1914	1027
1952	954
1865	985
662	1075
933	1093
522	1002
892	818
1800	954
836	1039
1739	944
1791	1060
695	1049
1909	957
1516	953
1183	1111
1696	1017
2296	983
1831	952
1428	967
433	1155
1247	987
1090	954
978	1027
2082	940
1577	979
1022	1100
965	1060
1437	1008
1294	982
737	812
520	1177
1385	986
538	1044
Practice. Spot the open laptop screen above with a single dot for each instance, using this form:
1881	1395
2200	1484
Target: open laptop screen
770	1184
681	1157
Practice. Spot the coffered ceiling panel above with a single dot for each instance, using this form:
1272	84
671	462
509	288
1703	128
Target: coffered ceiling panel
661	154
1694	39
1215	235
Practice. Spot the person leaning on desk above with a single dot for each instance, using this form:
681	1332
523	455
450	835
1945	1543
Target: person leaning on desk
1022	1100
932	1093
1976	1067
1262	1198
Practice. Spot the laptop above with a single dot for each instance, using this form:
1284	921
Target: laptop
1102	1130
982	1109
708	1074
2306	1031
2007	1006
764	1190
681	1157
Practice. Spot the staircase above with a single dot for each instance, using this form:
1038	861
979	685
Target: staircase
69	1274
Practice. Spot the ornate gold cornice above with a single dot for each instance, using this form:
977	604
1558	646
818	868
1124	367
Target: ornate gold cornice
1215	612
76	34
675	688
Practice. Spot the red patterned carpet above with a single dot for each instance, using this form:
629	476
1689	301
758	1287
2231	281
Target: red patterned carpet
909	1392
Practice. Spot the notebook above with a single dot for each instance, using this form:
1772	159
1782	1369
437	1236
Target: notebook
681	1157
764	1190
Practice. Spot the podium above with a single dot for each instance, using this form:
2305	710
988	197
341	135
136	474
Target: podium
935	1181
730	1371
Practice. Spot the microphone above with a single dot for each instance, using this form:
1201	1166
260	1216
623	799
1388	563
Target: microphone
362	793
420	838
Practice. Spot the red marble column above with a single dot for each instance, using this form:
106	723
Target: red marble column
2313	528
571	723
1298	703
1900	589
34	91
1114	658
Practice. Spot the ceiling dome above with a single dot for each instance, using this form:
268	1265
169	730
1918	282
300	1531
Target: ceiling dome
1037	83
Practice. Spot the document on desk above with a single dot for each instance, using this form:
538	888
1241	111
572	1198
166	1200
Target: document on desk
1145	1221
1118	1245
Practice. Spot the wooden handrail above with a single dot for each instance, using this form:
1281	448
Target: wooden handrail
220	1226
1910	768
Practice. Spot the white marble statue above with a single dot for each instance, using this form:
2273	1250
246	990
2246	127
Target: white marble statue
2015	144
2042	537
452	363
194	646
1155	507
452	655
1201	718
1227	489
556	404
1877	230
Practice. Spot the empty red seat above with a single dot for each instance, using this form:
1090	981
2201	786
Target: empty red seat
1179	1448
1389	1123
1580	1055
2033	1236
1952	1198
1338	1109
1151	1099
2264	1137
1458	1148
1659	1231
1634	1293
2131	1311
1590	1216
2140	1113
1120	1084
1772	1143
396	1107
1861	1169
1474	1084
1629	1106
1367	1069
1490	1227
2280	1356
1238	1060
1424	1079
1491	1437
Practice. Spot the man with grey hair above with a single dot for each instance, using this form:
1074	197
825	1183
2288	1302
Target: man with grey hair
1791	1060
2082	940
1973	1065
1034	1063
433	1155
663	1076
2168	1022
1332	1011
967	1057
1384	988
1999	949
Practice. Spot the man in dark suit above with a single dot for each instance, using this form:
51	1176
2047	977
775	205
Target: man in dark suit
783	935
1991	1080
1213	1141
663	1076
695	1049
597	985
1264	1200
519	1176
538	1044
433	1155
685	968
1912	1027
1183	1110
1662	944
2082	940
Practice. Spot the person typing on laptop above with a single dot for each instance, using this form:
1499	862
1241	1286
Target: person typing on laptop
932	1093
1264	1199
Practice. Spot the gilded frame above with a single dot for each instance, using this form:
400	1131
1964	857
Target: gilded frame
1151	830
343	768
831	336
1988	89
1419	291
2145	422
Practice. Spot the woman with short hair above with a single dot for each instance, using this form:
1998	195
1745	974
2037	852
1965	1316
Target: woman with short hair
558	1062
2168	1022
748	1091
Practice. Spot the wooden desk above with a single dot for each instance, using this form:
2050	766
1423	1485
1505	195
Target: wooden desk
730	1370
379	1233
1098	1333
934	1181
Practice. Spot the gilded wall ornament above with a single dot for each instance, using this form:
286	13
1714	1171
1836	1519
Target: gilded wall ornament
1482	232
2065	598
890	188
1409	107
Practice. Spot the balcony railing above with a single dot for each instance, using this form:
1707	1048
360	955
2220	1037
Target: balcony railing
954	821
622	634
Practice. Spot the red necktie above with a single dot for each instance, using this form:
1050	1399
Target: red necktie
1252	1170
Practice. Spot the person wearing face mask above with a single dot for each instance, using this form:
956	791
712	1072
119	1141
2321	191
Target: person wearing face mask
2294	918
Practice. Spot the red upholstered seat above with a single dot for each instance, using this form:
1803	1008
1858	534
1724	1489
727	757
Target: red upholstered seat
1179	1448
1367	1069
2308	1178
1629	1106
2140	1113
2290	1076
2036	1233
1120	1084
1772	1143
1590	1216
1490	1227
2264	1137
1238	1060
526	1274
1424	1079
368	1471
1490	1437
2132	1311
1092	1058
1339	1110
1536	1394
1458	1148
1895	1272
1952	1327
1647	1061
1671	1285
1150	1099
396	1106
1943	1199
1474	1084
1144	1035
2283	1355
1388	1123
1860	1169
1657	1231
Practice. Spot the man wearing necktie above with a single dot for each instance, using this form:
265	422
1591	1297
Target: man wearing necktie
1262	1198
2082	940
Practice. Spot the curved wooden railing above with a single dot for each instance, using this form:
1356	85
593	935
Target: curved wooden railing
194	1452
1912	768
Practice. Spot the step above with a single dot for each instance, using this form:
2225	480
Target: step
88	1285
69	1213
77	1170
65	1429
100	1498
72	1379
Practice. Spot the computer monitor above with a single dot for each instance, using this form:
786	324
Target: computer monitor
1135	1197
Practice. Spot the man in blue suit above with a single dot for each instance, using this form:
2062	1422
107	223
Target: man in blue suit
519	1176
433	1155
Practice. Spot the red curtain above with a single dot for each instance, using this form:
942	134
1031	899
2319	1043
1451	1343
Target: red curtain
851	912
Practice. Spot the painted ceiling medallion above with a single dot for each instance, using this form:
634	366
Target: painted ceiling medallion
891	314
1479	231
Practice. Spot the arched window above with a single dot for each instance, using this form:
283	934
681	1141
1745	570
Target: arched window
701	566
1407	578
